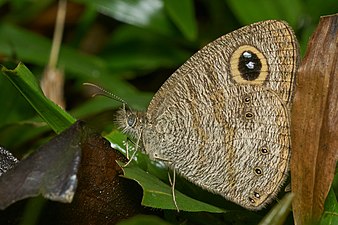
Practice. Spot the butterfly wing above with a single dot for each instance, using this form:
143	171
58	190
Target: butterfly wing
222	119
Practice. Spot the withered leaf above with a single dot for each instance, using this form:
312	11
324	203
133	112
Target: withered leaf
50	171
314	127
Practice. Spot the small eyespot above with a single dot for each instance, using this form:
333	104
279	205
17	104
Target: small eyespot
258	171
252	200
247	99
249	115
264	150
257	195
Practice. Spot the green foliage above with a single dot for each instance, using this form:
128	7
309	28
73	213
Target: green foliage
157	194
329	216
28	86
143	42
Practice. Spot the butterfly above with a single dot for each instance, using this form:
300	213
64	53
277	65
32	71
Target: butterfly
222	120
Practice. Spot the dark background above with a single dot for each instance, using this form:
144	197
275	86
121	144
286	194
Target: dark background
128	47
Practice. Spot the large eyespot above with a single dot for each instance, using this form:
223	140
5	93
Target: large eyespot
248	65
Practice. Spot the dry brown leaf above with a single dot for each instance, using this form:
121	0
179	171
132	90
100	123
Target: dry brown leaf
314	127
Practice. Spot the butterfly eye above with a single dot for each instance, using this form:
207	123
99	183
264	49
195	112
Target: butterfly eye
131	120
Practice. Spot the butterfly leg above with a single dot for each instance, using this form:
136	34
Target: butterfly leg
134	153
172	183
126	143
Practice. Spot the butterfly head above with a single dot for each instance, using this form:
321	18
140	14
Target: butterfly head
130	122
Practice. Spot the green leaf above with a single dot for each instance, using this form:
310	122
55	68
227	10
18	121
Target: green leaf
330	214
141	13
118	139
279	212
28	86
33	210
183	15
2	2
249	11
157	194
21	132
32	48
12	104
144	51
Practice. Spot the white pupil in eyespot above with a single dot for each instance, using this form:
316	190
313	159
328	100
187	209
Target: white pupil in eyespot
247	54
250	65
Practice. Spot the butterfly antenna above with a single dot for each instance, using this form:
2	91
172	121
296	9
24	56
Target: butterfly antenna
103	92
